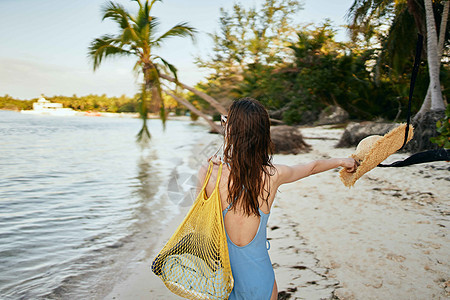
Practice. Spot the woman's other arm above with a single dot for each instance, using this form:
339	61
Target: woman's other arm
287	174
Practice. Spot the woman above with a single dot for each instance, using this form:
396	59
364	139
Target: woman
247	187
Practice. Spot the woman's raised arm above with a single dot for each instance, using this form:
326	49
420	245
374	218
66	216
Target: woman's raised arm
287	174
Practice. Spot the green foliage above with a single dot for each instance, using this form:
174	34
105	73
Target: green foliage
248	36
292	116
216	117
9	103
323	73
299	71
443	128
100	103
369	77
391	28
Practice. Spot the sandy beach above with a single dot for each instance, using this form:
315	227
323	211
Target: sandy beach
385	238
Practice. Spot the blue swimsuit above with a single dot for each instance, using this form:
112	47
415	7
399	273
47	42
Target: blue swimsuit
252	270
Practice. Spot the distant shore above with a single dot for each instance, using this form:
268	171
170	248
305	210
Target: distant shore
118	115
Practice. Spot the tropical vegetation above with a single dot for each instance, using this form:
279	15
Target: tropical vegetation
297	71
95	103
9	103
443	130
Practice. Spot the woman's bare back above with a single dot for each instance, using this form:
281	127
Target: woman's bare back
241	229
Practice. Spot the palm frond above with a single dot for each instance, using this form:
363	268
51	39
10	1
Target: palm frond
181	29
129	36
146	28
137	69
153	2
117	13
144	19
171	67
106	46
143	15
399	44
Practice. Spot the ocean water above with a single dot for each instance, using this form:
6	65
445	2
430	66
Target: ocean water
79	198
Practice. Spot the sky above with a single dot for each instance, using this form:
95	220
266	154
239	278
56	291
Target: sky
44	43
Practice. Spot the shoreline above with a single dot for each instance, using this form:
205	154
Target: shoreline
87	113
385	238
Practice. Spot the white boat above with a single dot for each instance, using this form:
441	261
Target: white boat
45	107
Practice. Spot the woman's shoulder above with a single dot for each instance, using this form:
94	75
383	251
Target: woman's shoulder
277	172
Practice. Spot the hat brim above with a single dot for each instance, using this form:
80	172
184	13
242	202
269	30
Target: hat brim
390	143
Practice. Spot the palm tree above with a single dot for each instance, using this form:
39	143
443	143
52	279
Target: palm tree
138	37
426	106
434	100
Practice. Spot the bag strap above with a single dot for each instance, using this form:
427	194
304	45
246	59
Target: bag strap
208	175
219	174
415	70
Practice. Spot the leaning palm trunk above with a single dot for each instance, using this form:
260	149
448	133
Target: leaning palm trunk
437	102
192	108
206	97
202	95
427	102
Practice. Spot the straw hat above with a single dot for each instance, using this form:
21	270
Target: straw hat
373	150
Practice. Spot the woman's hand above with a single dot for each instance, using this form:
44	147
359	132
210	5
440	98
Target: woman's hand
349	164
215	159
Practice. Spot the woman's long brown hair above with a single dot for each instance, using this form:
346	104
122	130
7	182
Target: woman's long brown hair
248	150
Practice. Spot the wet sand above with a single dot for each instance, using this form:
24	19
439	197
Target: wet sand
385	238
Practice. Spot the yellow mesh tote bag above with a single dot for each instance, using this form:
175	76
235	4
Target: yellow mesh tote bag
194	263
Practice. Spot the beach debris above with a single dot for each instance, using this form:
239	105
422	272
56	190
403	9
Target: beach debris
299	267
284	295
